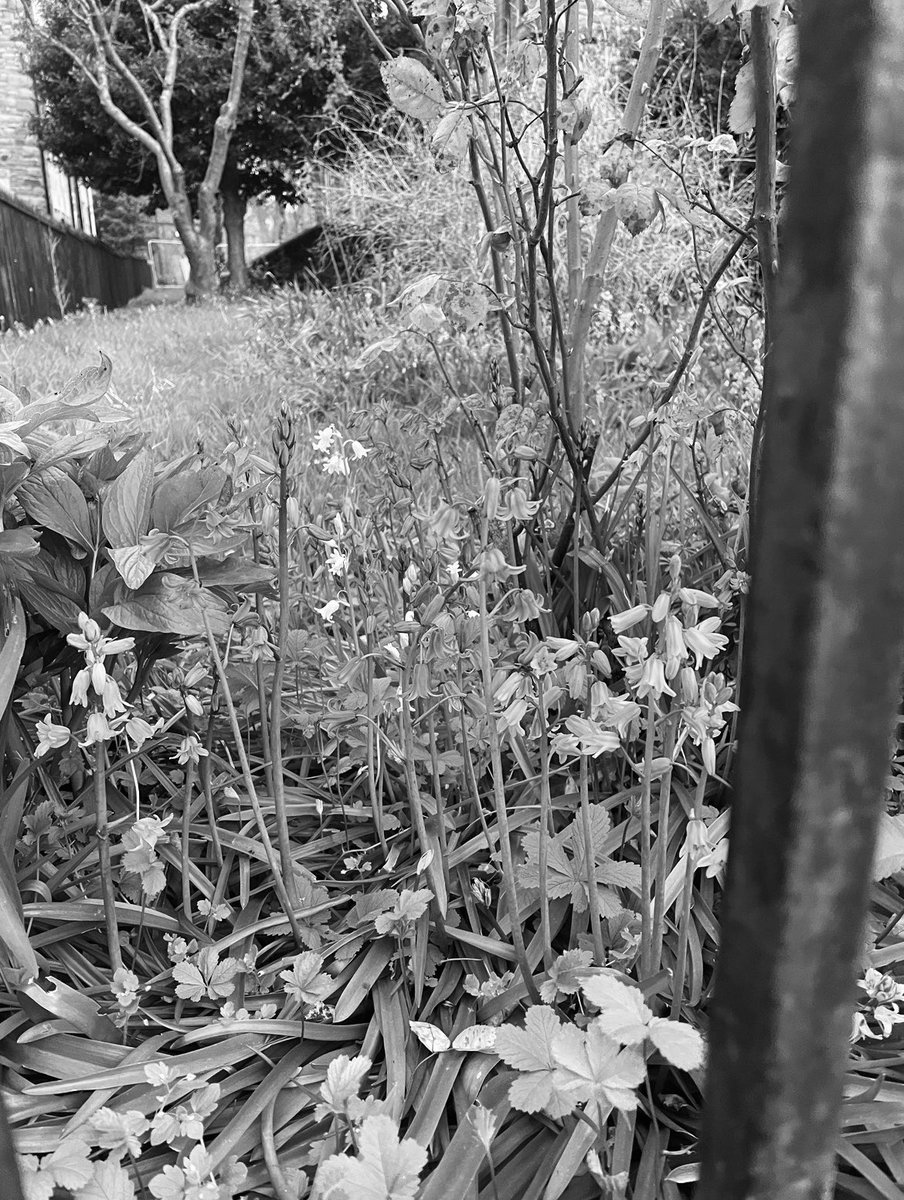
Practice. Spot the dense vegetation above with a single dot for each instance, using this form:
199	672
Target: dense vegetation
368	788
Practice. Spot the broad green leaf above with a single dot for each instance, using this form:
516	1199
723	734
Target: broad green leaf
243	574
439	29
450	138
412	89
45	597
81	1011
127	503
742	113
469	305
133	565
635	11
55	501
366	974
11	652
474	1038
721	10
170	604
89	384
180	498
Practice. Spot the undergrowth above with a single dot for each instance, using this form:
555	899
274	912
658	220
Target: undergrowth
364	837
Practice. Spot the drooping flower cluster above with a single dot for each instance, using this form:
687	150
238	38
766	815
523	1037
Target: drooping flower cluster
93	680
336	452
880	1007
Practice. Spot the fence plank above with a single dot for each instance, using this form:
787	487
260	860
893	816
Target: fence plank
822	662
47	269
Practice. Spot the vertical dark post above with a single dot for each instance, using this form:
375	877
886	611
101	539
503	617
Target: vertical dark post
822	664
9	1167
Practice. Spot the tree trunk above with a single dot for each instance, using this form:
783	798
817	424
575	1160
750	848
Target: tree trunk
203	279
234	206
820	683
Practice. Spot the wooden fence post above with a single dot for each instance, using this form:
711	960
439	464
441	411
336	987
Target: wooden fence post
822	665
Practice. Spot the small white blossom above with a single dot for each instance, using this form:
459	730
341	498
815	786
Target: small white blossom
324	439
51	736
190	750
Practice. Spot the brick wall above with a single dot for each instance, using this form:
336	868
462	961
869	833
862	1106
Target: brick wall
20	160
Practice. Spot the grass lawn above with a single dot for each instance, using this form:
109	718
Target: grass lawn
183	371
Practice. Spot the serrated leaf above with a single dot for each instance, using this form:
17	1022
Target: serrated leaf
110	1182
207	977
413	89
530	1048
565	974
386	1168
681	1044
592	1068
69	1164
533	1092
624	1016
566	865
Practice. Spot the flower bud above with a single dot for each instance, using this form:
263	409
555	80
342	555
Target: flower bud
98	678
661	607
89	628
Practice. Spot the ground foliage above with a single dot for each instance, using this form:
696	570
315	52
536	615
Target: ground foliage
343	857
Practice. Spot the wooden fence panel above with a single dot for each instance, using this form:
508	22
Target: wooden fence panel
822	659
47	269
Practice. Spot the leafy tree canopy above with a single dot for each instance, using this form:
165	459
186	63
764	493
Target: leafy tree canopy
311	83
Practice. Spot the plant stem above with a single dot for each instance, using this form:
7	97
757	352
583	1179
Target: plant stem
505	847
685	917
545	815
662	847
247	777
103	855
646	856
276	753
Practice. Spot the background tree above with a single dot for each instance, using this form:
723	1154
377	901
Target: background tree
310	87
122	222
98	40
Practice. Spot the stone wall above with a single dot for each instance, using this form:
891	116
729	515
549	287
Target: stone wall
21	173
